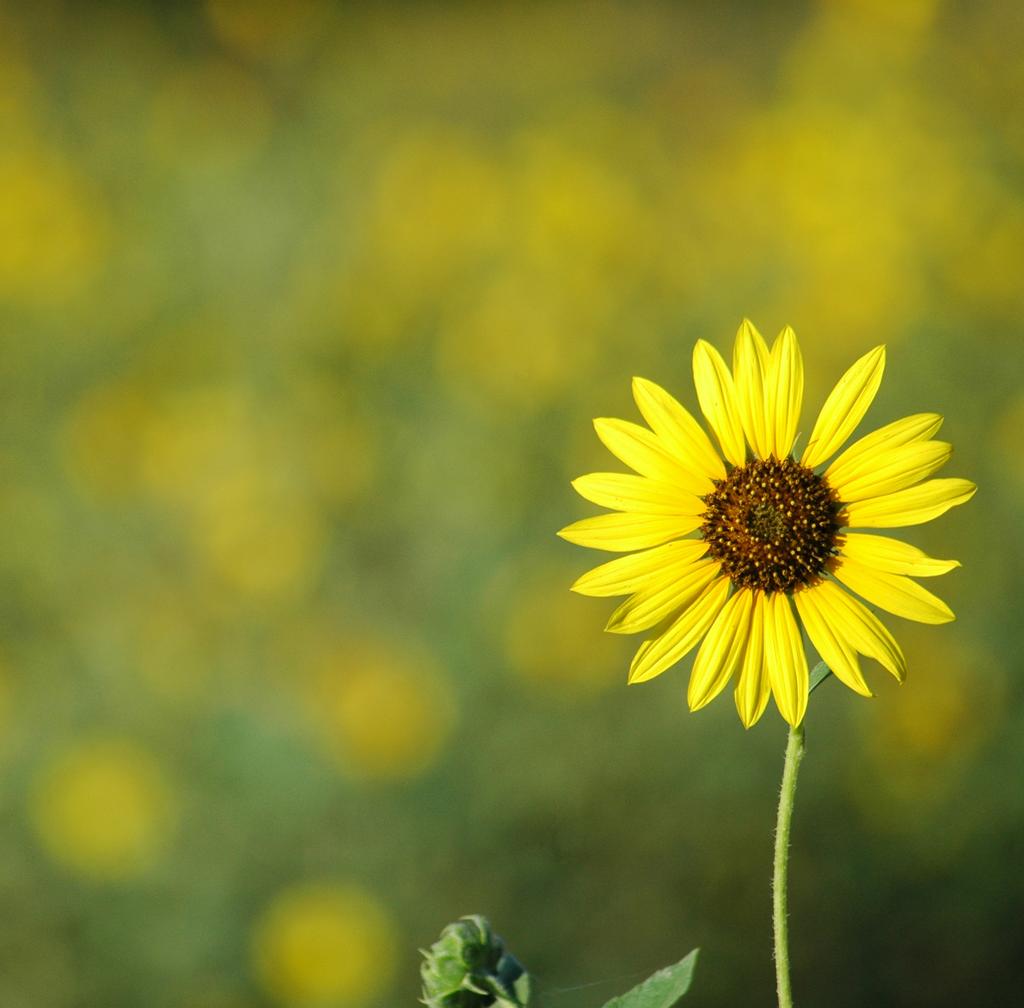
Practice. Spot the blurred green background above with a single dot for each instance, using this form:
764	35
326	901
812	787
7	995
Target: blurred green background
305	309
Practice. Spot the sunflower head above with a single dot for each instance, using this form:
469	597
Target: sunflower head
720	543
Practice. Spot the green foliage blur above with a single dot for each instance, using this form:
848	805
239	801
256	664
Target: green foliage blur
305	309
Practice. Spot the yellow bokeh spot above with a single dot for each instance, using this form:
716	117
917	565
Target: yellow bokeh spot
922	736
985	243
192	435
906	15
941	711
552	639
103	439
515	339
438	207
104	809
54	228
267	29
380	711
259	532
580	218
321	944
240	477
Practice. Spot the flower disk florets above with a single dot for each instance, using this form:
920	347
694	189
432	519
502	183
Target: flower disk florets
772	524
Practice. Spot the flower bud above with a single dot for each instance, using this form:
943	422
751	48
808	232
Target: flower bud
468	967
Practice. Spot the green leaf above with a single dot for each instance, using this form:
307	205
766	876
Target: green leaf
819	674
662	990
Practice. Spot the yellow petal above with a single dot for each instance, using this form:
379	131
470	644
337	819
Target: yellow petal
642	451
750	361
784	392
784	655
919	427
716	394
892	592
627	574
892	555
753	689
625	492
662	598
662	652
678	430
836	652
845	407
720	651
892	470
913	506
623	533
859	627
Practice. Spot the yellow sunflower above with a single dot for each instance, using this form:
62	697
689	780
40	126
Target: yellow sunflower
725	545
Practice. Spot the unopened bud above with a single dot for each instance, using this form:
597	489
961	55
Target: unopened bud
468	967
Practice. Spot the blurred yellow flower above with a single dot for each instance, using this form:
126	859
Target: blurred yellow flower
938	724
771	531
810	197
550	639
437	207
323	944
380	711
53	225
966	688
908	15
514	338
240	478
579	217
103	438
259	532
104	808
986	241
194	433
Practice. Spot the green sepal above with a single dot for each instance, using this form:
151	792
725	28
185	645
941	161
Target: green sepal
819	674
661	990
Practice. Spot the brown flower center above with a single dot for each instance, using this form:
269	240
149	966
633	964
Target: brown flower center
772	524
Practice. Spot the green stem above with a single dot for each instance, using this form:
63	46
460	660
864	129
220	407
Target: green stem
794	753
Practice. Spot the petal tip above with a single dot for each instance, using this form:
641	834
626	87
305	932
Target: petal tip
575	586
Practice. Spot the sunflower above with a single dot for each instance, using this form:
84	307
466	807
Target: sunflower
722	546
